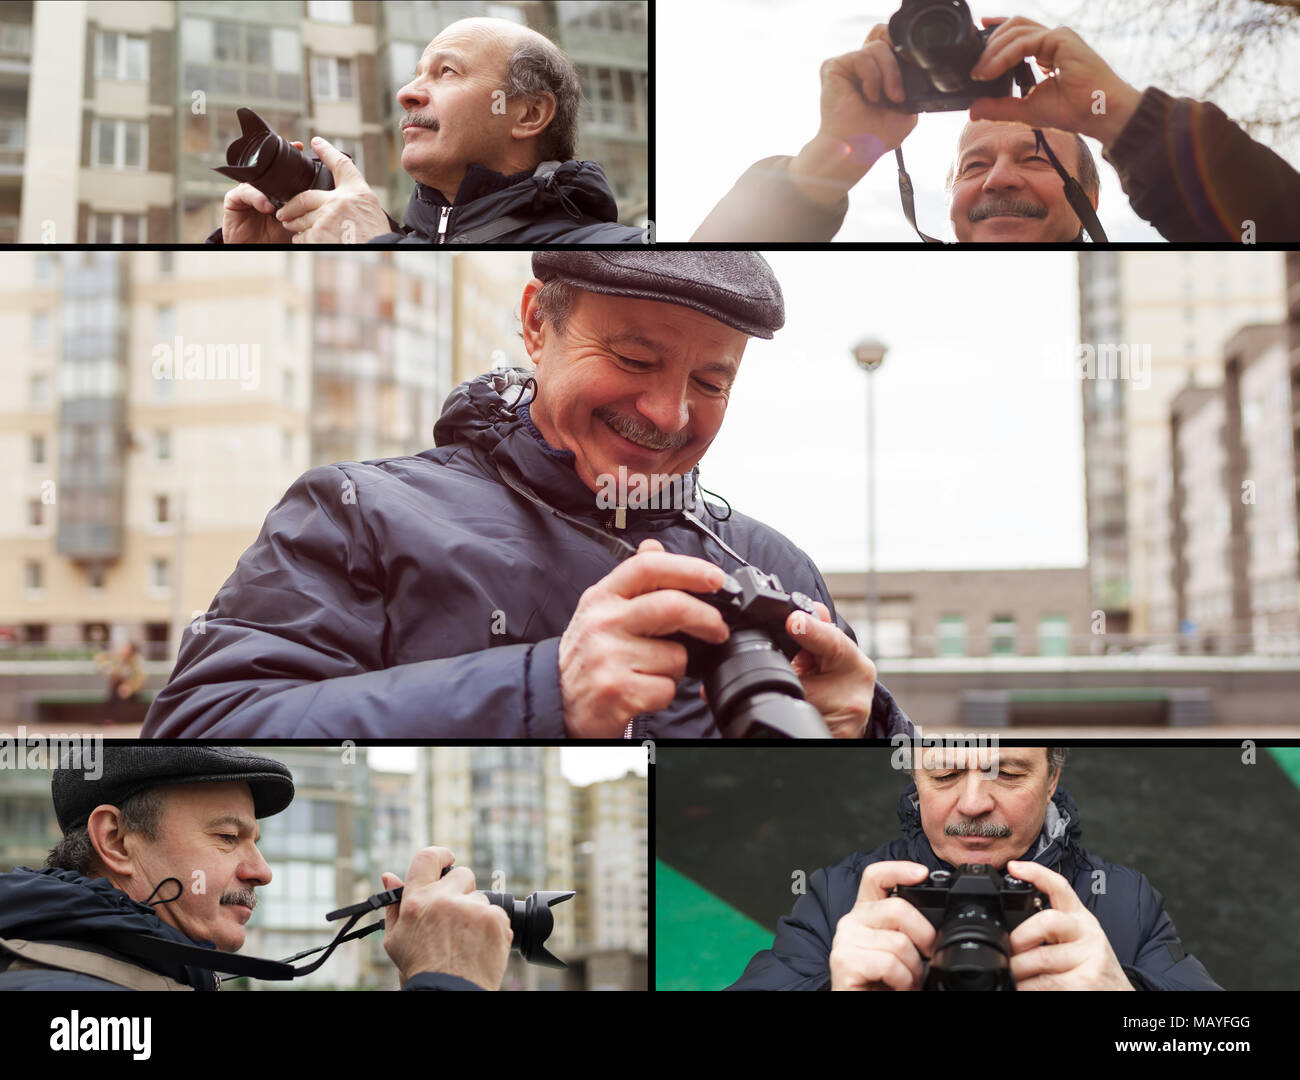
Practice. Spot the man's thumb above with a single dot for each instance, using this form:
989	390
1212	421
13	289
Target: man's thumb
342	167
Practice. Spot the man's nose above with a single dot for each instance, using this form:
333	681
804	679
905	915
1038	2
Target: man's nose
413	96
666	407
256	870
1003	175
976	799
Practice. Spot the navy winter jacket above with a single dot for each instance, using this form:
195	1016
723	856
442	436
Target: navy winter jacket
422	597
1130	911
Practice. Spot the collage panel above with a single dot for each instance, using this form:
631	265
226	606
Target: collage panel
530	865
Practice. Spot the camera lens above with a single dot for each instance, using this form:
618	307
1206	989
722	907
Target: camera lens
936	29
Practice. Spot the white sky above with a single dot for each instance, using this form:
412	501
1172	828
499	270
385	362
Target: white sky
738	81
581	765
979	436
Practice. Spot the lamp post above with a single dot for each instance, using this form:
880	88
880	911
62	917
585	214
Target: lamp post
870	354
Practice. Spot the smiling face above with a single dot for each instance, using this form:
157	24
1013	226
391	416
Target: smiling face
207	840
1005	802
636	383
454	115
1005	190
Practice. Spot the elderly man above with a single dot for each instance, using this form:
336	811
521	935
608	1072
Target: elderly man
489	124
1106	928
159	851
502	585
1185	166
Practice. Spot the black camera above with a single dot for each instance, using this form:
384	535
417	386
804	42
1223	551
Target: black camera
272	164
937	43
751	686
974	910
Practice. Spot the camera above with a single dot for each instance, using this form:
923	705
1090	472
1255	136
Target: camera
751	686
937	43
974	910
272	164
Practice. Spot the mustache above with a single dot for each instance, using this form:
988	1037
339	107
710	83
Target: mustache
1009	205
639	431
987	829
418	119
241	896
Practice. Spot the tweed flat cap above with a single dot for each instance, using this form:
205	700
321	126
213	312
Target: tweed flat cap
128	770
737	288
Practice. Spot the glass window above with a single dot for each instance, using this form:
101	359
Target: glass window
1053	636
158	573
335	11
226	43
40	390
196	42
1002	636
286	55
257	45
952	635
163	446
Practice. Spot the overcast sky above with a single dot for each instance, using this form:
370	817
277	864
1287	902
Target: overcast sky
738	81
979	452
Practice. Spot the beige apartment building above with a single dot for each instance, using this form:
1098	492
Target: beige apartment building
113	113
1178	309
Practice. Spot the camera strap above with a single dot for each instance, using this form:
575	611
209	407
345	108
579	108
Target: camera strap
907	194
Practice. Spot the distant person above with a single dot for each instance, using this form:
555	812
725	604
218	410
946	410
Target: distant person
126	678
489	125
1186	168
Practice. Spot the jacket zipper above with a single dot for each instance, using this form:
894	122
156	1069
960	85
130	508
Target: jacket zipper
442	224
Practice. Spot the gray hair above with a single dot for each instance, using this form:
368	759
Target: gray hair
1085	171
141	813
537	68
555	301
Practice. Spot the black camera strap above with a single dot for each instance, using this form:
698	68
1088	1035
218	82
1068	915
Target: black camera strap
1074	193
907	194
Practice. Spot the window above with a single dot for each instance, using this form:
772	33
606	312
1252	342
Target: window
35	513
335	11
162	446
33	576
286	445
351	147
161	509
40	390
952	635
331	78
119	144
38	449
1053	636
166	263
166	322
95	577
158	573
288	387
124	57
117	229
1002	636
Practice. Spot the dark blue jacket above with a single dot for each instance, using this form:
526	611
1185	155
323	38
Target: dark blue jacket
1130	911
572	205
421	597
63	908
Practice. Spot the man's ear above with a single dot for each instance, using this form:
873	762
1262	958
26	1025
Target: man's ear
109	840
535	328
535	115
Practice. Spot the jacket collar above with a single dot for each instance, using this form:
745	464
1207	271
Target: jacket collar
477	182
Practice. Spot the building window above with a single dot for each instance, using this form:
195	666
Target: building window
286	445
351	147
40	391
166	322
952	635
162	446
335	11
161	509
120	144
1002	636
166	263
38	449
33	576
116	229
35	513
95	577
42	330
124	57
158	573
331	78
1053	636
288	387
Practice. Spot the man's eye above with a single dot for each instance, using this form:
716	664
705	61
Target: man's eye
636	365
446	69
229	837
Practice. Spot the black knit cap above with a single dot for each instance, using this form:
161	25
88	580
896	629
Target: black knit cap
737	288
128	770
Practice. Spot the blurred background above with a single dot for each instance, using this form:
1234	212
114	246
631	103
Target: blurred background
1017	538
759	96
732	828
112	114
522	818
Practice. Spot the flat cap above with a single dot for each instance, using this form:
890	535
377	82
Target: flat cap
737	288
124	771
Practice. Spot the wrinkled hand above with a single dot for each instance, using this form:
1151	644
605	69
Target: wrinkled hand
614	664
442	925
880	943
837	676
350	214
1069	98
856	126
248	217
1064	947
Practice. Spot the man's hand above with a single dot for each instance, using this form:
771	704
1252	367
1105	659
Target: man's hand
614	663
837	676
1064	947
350	214
856	127
248	217
879	945
442	925
1081	93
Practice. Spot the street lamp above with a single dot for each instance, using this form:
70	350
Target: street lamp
869	355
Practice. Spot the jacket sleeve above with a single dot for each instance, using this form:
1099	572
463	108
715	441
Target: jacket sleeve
1161	962
294	648
1196	176
765	207
800	956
